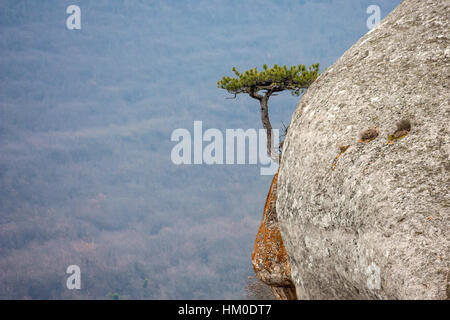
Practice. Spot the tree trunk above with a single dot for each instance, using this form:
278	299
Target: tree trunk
268	127
263	101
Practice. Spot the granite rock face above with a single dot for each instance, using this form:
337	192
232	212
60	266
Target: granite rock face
269	257
365	215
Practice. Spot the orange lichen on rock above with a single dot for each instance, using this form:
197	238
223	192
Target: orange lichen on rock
342	149
368	135
403	128
269	257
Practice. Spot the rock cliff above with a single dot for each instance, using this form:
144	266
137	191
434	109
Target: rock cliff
363	189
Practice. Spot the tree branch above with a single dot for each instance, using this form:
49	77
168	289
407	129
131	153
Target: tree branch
253	93
235	94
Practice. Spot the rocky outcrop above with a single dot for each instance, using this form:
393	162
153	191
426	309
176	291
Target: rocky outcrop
363	197
269	258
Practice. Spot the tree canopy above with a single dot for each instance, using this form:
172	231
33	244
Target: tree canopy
275	79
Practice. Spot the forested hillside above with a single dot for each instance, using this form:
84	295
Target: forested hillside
85	123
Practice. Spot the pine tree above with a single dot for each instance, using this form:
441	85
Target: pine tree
260	85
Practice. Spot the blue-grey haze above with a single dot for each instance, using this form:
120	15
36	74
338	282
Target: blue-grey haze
85	123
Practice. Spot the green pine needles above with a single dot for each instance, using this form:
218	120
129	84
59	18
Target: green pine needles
295	79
